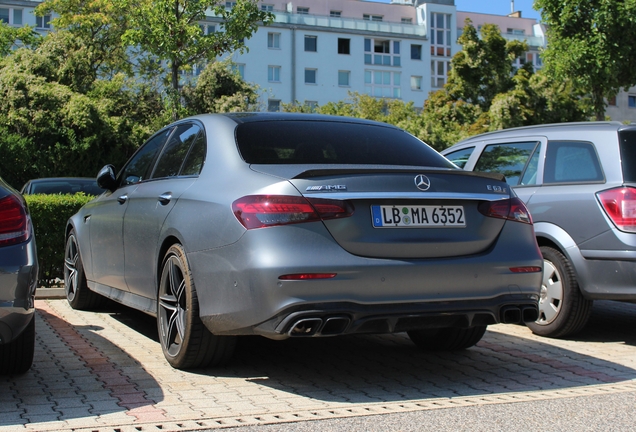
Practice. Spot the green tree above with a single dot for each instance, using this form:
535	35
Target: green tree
170	30
484	67
591	42
56	119
98	25
220	88
13	37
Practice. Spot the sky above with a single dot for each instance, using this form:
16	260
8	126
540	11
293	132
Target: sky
494	7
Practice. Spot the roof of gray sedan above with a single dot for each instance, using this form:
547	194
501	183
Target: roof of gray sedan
281	116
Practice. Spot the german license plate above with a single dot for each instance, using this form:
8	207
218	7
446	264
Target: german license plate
417	216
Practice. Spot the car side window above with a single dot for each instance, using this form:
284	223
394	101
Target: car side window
571	162
138	168
175	151
530	173
508	159
460	157
196	157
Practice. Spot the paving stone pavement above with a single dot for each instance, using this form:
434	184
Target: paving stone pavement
105	371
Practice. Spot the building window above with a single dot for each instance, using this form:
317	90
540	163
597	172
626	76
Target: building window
43	22
273	105
344	46
273	40
240	69
267	7
416	83
230	4
310	76
382	83
273	73
441	34
207	29
372	17
311	43
343	78
518	32
631	101
11	16
302	10
382	52
416	52
439	71
312	105
407	20
612	101
335	14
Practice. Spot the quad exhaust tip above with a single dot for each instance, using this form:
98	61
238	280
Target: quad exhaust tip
519	315
307	327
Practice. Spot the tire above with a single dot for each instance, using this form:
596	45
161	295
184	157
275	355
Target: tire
563	311
78	295
16	357
185	340
447	339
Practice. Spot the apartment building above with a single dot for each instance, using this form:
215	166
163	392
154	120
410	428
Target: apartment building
317	51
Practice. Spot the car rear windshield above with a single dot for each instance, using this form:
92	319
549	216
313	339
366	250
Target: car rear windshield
628	153
321	142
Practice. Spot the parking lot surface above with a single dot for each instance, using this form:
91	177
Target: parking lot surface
104	371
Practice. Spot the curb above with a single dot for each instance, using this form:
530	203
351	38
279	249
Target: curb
50	293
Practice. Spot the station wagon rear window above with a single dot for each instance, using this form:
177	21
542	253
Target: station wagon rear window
627	140
571	162
341	143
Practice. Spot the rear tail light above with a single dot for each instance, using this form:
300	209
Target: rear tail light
14	224
511	209
260	211
620	206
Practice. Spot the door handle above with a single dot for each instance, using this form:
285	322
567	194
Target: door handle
122	199
165	198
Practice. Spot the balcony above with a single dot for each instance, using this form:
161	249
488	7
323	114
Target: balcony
350	24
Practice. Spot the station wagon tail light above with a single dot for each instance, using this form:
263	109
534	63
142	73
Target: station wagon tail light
14	224
511	209
620	206
260	211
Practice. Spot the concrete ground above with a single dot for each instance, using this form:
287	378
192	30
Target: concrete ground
104	371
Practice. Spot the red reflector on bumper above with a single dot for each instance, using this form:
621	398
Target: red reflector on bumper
306	276
526	269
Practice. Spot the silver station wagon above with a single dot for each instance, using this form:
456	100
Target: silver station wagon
296	225
579	183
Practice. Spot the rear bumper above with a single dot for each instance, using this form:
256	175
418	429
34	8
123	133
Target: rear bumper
350	318
240	292
18	281
607	275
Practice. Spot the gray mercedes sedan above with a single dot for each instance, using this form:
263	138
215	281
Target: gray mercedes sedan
297	225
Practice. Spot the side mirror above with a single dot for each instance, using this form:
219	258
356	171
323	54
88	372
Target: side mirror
106	178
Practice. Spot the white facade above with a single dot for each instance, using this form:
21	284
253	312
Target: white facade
383	42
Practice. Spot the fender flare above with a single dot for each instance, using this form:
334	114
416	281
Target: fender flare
567	246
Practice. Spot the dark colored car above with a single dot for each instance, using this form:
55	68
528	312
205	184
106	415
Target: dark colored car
61	185
579	182
296	225
18	280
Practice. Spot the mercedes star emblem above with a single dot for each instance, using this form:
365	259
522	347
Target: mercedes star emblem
422	182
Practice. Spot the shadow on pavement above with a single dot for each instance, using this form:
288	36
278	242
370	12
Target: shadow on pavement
76	374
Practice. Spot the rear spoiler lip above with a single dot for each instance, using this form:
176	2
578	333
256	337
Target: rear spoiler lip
293	171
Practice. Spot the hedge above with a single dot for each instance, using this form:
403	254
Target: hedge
49	214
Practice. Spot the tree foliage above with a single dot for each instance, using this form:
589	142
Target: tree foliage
13	37
170	30
591	43
220	88
57	119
